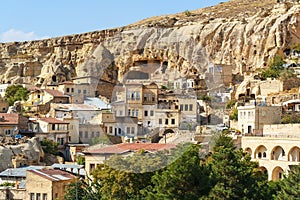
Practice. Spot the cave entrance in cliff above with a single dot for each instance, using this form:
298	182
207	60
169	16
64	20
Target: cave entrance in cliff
54	78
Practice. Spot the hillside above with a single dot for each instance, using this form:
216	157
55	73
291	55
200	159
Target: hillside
242	34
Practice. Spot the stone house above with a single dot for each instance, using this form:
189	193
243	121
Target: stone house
52	129
47	183
95	156
12	124
252	118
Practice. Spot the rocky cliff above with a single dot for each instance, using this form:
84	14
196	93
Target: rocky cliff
243	34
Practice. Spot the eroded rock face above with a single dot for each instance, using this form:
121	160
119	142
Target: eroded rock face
30	150
244	39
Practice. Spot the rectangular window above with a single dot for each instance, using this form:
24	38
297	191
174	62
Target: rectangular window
181	107
86	134
38	196
53	126
132	130
128	130
98	134
138	96
173	121
127	96
92	167
151	113
44	196
119	131
68	89
160	121
84	91
79	91
120	113
166	121
132	95
93	135
191	107
146	113
145	97
80	134
31	196
186	107
110	129
72	90
129	112
136	113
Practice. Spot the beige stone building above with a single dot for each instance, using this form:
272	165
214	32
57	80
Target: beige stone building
11	124
276	155
46	184
252	118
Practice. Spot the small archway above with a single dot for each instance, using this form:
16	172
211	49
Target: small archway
263	170
294	154
260	152
248	150
277	173
278	153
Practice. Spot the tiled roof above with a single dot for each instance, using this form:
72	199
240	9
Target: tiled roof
67	83
53	174
52	120
55	93
9	118
127	147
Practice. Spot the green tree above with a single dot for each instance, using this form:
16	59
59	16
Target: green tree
234	114
80	160
234	175
83	190
275	69
185	178
125	177
49	146
290	186
15	93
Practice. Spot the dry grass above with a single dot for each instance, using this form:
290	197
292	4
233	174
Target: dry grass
230	9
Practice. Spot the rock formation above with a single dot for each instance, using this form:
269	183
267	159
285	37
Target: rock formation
243	34
24	152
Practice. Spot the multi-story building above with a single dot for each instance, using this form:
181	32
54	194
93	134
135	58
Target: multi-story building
252	118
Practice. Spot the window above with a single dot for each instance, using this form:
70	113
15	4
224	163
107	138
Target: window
181	107
153	98
110	129
68	89
128	130
80	134
146	113
151	112
145	97
132	95
9	132
72	90
136	113
191	107
53	126
84	91
132	130
186	107
119	131
44	196
92	167
79	91
166	121
69	138
98	134
138	96
93	134
31	196
172	121
120	113
160	121
127	96
38	196
129	112
86	134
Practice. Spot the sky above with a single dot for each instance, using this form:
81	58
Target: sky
37	19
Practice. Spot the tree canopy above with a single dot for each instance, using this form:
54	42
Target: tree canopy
15	93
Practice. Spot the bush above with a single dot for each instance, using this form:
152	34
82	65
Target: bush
234	115
230	104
